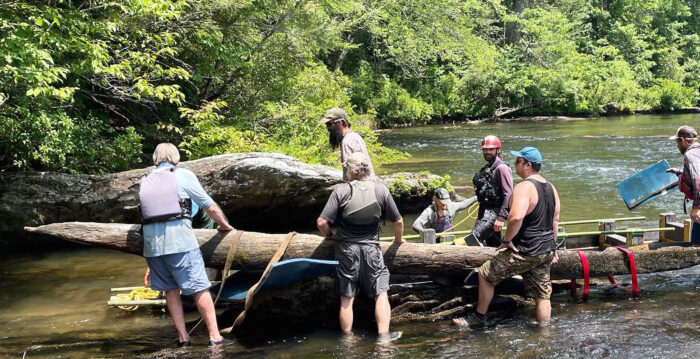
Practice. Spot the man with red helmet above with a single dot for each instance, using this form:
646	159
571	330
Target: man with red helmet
493	185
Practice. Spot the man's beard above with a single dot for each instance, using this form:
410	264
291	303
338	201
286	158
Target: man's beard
335	137
489	158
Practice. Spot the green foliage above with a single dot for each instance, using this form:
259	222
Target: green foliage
93	86
435	183
399	188
669	95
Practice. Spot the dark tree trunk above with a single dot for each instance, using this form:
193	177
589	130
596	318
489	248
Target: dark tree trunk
256	249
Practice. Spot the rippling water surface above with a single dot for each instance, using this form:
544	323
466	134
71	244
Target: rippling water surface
52	303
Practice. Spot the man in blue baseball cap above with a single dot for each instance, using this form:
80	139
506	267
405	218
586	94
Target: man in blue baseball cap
529	246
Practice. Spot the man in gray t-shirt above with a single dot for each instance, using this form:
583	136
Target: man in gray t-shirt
340	135
355	209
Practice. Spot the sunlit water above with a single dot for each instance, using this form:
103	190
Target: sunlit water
53	303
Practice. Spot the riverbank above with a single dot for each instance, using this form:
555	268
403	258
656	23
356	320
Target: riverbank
541	118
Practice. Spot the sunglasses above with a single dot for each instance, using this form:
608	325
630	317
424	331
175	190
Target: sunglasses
330	124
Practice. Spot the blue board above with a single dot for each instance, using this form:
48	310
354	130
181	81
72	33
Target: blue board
647	184
283	273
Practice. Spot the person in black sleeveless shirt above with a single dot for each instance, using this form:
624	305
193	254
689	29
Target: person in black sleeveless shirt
529	246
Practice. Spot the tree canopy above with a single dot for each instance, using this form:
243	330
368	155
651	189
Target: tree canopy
93	86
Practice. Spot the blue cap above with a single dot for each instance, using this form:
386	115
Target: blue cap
530	154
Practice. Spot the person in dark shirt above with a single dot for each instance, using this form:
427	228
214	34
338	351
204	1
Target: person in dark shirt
493	185
355	209
529	246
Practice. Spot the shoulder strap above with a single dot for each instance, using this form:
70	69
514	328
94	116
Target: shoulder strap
497	163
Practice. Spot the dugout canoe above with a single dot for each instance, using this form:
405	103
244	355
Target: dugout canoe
256	249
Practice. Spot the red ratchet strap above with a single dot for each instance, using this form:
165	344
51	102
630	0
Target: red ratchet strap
633	272
586	278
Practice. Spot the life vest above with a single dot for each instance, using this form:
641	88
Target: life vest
361	214
487	192
442	223
683	186
159	200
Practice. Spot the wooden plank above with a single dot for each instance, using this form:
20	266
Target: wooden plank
114	302
678	234
664	219
591	240
615	240
605	225
429	236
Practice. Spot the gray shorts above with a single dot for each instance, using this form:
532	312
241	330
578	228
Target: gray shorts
183	271
360	265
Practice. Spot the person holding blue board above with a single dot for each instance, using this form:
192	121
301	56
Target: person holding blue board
689	178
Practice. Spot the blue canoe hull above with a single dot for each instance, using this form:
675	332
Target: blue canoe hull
283	273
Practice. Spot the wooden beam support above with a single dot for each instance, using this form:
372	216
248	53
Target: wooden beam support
612	240
429	236
605	225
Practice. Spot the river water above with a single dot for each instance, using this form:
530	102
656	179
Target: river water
52	303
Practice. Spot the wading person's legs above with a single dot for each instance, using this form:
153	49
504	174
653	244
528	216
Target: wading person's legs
543	310
174	304
538	285
486	290
345	315
205	305
382	313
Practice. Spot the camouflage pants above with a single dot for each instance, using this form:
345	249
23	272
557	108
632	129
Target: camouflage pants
534	269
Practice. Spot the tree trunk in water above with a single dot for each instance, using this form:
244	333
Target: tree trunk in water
256	249
256	191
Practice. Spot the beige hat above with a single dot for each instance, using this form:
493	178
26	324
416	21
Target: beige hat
684	132
333	114
443	195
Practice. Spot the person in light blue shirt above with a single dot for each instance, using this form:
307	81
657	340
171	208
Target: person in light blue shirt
171	249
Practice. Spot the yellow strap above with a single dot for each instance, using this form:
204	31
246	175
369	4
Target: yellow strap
470	214
229	260
254	289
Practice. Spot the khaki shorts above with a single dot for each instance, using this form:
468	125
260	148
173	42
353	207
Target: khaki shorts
534	269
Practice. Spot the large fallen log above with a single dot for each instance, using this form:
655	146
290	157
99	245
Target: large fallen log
256	249
256	191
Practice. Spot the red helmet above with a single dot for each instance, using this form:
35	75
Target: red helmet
490	141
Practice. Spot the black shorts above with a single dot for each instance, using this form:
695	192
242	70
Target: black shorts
360	265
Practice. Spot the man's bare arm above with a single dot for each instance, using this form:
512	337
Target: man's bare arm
324	227
217	215
555	224
398	231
